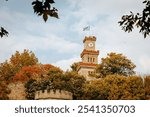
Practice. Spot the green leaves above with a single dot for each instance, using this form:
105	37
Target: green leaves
44	8
141	21
3	32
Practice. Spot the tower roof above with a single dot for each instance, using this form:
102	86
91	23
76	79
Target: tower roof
90	38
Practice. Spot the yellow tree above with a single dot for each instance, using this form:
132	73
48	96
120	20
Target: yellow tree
36	77
4	91
115	64
74	66
147	87
74	83
95	90
10	67
110	88
115	87
135	88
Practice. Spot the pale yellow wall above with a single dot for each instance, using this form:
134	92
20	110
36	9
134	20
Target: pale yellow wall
86	56
85	72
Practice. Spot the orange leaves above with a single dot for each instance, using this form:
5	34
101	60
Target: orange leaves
32	72
9	68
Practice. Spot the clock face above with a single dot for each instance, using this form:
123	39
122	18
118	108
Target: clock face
90	44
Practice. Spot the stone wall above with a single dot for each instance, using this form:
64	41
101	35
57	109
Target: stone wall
17	91
53	95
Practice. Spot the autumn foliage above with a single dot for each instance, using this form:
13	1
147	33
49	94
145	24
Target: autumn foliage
10	67
54	80
115	87
4	91
33	72
147	87
115	64
116	79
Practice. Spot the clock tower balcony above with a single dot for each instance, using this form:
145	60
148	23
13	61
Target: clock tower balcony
90	52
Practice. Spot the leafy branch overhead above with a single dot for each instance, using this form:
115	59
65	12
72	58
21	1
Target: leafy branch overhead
3	32
41	8
44	8
141	21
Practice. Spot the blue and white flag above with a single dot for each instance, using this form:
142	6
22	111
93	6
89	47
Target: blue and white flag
87	28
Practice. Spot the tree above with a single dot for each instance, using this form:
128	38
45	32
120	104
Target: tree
112	87
69	81
115	64
74	66
4	91
94	90
10	67
36	78
147	87
141	21
26	58
75	84
36	72
41	8
115	87
135	88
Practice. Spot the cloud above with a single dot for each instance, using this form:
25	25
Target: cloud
28	32
66	63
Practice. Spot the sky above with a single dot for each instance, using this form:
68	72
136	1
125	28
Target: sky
60	41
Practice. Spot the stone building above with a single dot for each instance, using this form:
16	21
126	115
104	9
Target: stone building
89	58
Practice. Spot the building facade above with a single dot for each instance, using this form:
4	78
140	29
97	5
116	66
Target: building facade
89	57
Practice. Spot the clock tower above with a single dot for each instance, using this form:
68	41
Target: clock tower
89	58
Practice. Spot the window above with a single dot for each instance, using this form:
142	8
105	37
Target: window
90	59
93	59
90	72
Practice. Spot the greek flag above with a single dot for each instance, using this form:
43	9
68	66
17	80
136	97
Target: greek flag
87	28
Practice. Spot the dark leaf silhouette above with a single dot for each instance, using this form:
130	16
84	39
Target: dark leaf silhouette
44	8
3	32
141	21
45	16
